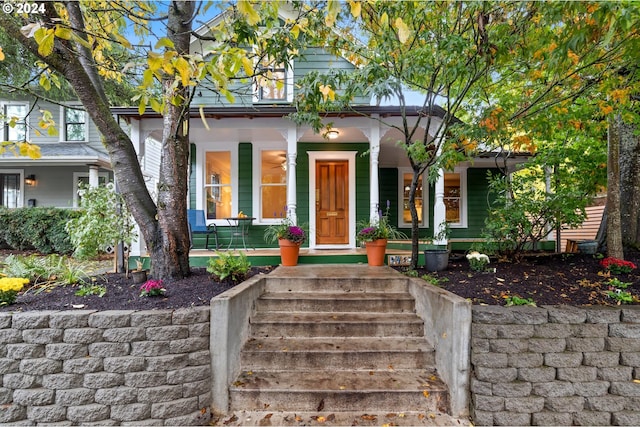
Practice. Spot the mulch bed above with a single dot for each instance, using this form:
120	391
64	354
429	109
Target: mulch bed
571	279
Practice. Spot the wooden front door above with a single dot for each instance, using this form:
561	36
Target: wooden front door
332	202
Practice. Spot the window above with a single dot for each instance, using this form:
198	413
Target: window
15	128
271	84
83	178
455	188
273	184
420	197
10	190
218	192
74	124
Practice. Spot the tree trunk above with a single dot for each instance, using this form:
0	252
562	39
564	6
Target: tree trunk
614	232
629	184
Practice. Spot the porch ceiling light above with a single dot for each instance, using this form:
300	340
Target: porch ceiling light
30	180
333	134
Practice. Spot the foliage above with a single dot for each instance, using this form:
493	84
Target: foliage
617	266
522	214
287	230
623	297
617	283
42	229
228	264
477	261
380	228
45	272
91	289
9	288
512	300
104	221
433	280
152	288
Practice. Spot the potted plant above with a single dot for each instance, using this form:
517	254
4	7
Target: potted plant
436	257
139	275
376	234
289	237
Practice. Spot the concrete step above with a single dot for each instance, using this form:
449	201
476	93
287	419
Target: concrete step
336	284
338	390
365	353
328	324
347	418
336	301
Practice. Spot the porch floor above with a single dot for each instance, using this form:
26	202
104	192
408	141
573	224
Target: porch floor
271	256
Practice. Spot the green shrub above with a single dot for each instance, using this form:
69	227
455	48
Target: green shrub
227	264
40	229
45	271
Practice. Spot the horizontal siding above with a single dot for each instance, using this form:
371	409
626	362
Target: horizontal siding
587	231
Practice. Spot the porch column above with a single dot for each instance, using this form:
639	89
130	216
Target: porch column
137	247
439	209
374	154
292	154
93	176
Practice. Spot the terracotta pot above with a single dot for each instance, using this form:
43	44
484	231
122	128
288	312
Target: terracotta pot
289	252
376	251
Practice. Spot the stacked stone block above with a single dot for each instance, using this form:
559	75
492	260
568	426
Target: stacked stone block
555	365
105	368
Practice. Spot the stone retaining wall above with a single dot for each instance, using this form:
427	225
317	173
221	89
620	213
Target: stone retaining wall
105	368
555	366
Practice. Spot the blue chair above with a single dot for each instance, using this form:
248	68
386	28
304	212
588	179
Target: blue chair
198	225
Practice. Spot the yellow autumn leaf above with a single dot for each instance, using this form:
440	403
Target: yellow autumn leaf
45	38
356	8
206	126
425	393
573	56
295	31
327	92
384	19
333	8
164	42
183	68
63	33
155	61
247	64
246	9
403	30
1	54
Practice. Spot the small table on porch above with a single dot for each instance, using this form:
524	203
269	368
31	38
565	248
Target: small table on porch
239	230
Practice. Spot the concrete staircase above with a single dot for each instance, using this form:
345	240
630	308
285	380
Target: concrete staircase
337	347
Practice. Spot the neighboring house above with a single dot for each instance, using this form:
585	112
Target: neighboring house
250	157
75	155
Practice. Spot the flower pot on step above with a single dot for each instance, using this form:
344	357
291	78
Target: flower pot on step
289	252
139	276
376	250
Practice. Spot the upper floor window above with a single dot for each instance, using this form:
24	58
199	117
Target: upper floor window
15	122
271	84
74	124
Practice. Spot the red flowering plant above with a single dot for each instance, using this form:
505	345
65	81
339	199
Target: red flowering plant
617	266
152	288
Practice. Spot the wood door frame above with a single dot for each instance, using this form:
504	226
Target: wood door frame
350	157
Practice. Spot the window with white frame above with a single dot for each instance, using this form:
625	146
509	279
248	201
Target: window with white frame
421	199
10	187
455	197
15	123
274	82
273	184
74	124
218	192
82	179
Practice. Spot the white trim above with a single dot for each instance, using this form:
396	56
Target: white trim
201	150
27	117
426	206
21	196
257	176
77	176
350	156
63	120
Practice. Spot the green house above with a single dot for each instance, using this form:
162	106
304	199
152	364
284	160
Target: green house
249	160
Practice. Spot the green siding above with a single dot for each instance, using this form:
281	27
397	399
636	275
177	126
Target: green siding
245	177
